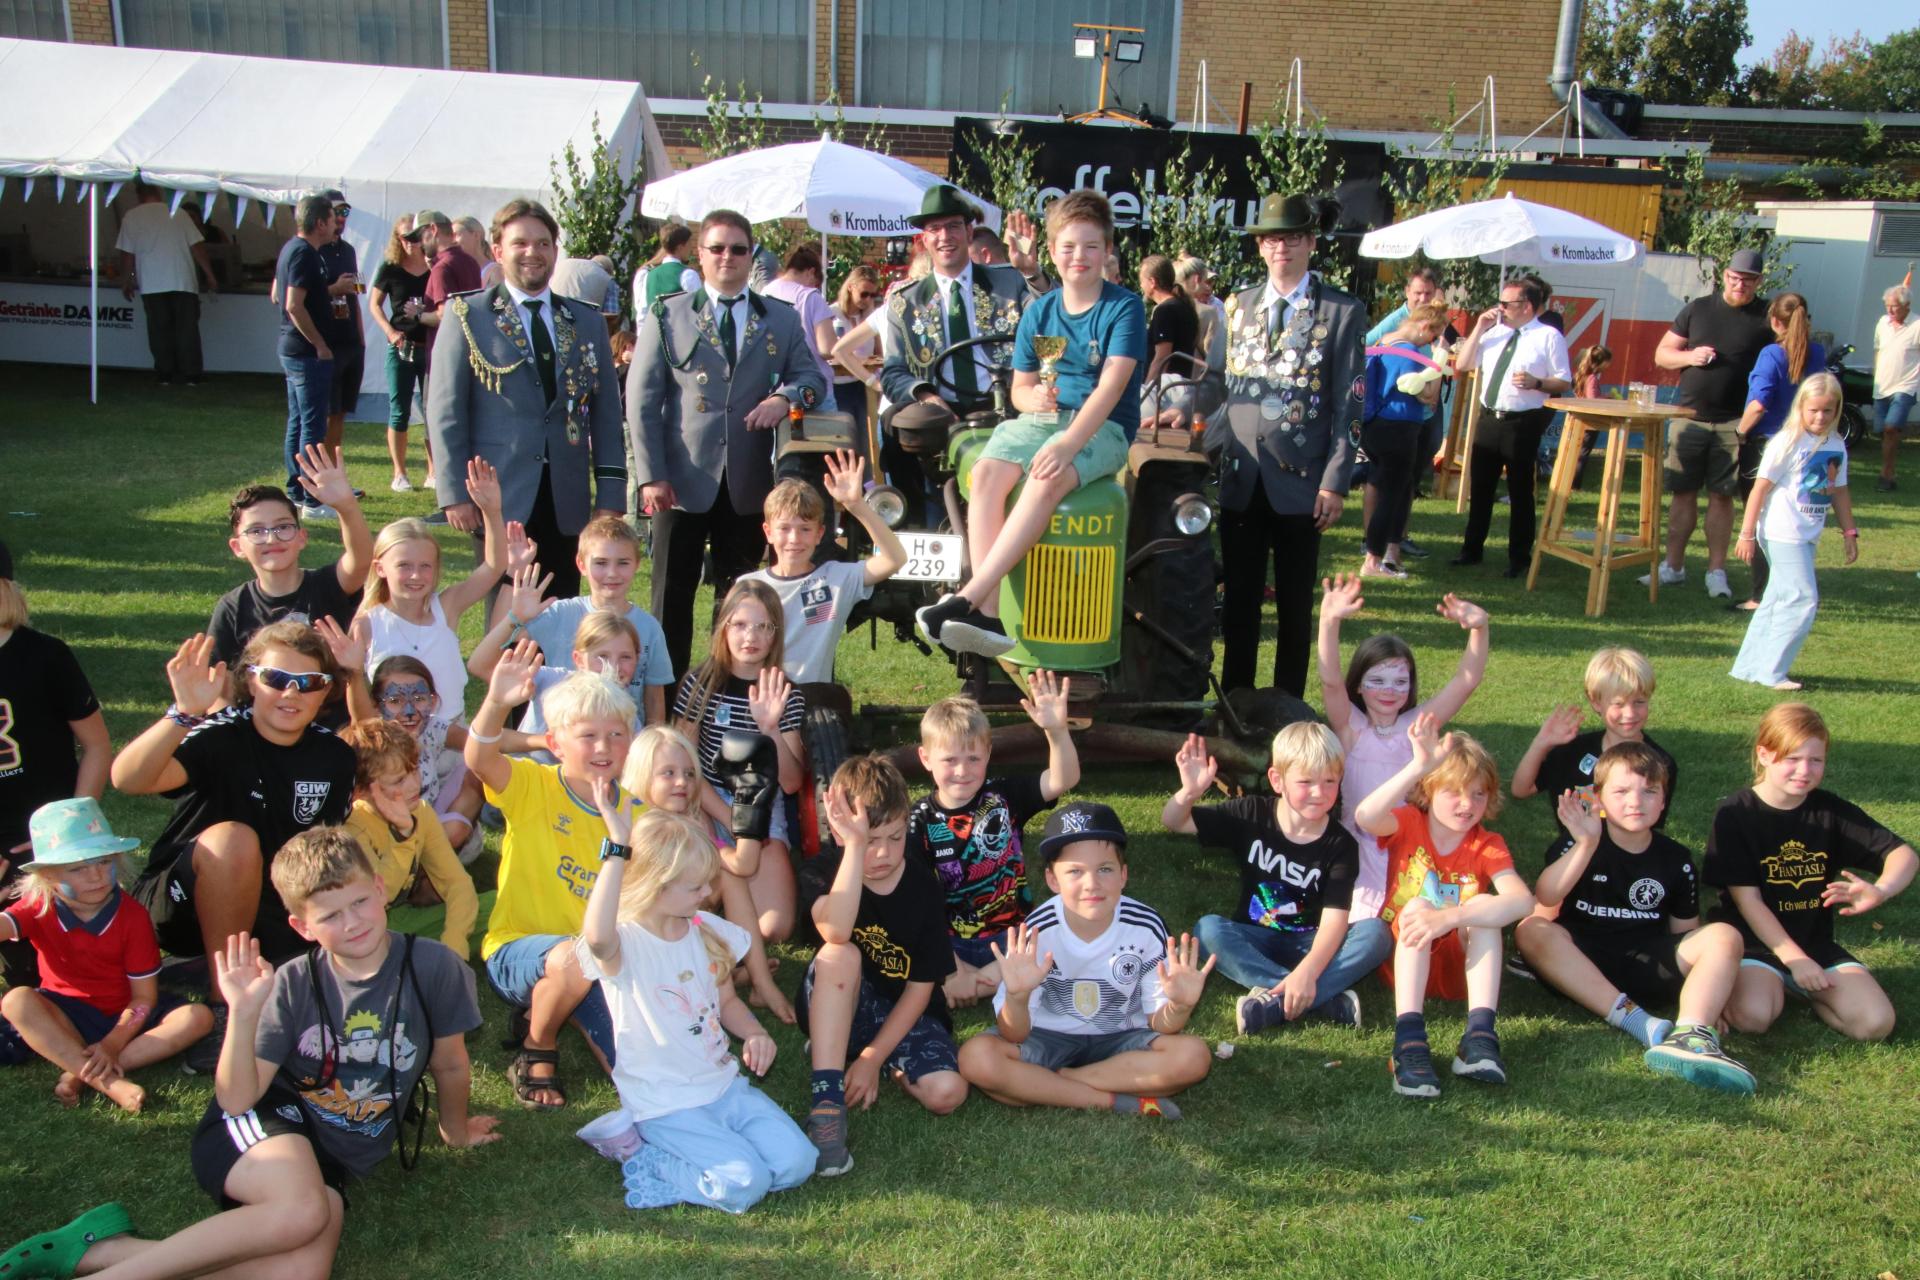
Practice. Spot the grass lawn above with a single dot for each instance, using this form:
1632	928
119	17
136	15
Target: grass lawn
1294	1155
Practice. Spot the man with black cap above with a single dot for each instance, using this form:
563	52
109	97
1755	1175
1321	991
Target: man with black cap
1714	343
1283	439
450	268
957	300
345	335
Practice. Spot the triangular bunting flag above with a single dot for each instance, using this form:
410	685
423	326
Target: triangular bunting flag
239	210
113	192
26	192
178	195
271	210
59	188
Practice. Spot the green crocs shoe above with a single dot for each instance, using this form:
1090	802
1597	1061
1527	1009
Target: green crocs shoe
54	1255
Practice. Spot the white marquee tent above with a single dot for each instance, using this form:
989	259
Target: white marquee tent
268	130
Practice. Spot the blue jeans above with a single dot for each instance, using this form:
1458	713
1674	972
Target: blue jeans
731	1152
1780	625
405	378
309	395
1255	956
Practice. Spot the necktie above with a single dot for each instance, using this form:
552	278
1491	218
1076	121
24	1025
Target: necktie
1499	378
728	340
542	349
1277	318
966	379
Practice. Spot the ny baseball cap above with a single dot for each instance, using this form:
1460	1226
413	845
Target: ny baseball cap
1082	820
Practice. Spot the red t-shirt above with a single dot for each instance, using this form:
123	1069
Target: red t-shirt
93	960
1465	873
453	271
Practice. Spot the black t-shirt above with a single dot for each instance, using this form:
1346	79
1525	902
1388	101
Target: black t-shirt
974	853
1569	767
246	609
301	267
1632	896
1177	322
902	938
1791	855
401	286
235	775
1283	885
343	313
42	691
1718	393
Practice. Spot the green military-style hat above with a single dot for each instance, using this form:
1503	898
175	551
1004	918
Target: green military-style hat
1280	213
944	201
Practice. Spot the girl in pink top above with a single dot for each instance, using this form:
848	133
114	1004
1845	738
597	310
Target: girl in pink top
1373	705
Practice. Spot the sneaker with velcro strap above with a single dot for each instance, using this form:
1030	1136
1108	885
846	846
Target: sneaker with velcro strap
1694	1054
1478	1058
1413	1075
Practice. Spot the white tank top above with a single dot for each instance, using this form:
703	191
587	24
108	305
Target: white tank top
434	643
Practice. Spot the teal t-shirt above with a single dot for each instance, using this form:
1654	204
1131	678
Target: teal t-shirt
1115	325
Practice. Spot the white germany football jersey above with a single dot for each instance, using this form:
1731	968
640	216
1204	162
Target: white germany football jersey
1094	988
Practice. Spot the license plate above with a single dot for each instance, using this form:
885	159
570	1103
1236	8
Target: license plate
931	557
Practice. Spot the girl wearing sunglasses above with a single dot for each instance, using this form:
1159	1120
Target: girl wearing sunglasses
248	770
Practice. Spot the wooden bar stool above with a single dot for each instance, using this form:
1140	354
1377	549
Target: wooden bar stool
1609	550
1450	473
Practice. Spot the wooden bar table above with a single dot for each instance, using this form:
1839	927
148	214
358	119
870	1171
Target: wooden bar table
1608	551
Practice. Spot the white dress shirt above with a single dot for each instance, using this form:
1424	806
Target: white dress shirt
1294	298
739	310
544	298
1542	352
983	366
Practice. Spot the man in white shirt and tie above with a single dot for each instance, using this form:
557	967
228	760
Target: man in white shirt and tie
713	371
1522	362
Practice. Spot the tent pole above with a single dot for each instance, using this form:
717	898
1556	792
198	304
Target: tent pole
93	295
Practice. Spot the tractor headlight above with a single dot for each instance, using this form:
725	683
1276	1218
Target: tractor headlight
889	504
1192	514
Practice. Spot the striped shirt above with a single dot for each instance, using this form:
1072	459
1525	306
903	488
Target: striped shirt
729	709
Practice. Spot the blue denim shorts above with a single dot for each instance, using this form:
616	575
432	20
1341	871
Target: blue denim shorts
515	966
926	1048
978	951
1892	411
1056	1049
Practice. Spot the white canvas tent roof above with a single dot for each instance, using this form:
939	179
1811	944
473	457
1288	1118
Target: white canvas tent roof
396	139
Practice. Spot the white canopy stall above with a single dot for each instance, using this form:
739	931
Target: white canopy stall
265	131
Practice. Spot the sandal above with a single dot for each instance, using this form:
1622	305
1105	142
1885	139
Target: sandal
57	1253
525	1085
519	1027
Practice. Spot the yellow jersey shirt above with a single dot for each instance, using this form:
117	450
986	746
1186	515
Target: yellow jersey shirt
549	857
426	852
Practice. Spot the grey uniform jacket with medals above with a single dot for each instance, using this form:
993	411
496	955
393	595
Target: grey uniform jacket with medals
916	324
686	412
1293	400
484	400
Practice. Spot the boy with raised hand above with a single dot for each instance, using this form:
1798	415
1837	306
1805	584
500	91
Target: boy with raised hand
1071	431
872	993
608	557
319	1061
549	858
968	830
816	595
1289	940
1092	1000
1618	930
266	532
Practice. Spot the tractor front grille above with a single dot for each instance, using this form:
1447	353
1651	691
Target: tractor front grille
1069	596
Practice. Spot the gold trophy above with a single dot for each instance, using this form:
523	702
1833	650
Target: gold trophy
1048	349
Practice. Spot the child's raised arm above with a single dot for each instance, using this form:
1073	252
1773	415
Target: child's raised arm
523	599
510	685
146	765
1473	663
483	486
600	927
1564	872
846	474
1561	727
349	649
1339	600
1022	971
835	911
245	981
1374	815
324	476
1047	708
1198	769
767	700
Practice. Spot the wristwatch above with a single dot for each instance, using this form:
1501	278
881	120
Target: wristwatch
608	849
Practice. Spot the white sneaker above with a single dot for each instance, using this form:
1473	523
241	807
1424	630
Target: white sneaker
400	484
1717	585
318	511
1668	577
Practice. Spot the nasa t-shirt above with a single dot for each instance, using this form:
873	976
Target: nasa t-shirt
1629	896
1283	885
1100	987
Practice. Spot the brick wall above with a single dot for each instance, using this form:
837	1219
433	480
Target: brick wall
1768	139
92	21
1361	57
823	48
467	35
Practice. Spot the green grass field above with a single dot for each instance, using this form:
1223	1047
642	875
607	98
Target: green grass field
1294	1158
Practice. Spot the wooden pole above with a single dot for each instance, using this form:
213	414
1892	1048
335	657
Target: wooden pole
1246	106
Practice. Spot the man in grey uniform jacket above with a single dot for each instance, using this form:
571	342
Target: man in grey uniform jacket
524	378
1296	360
714	372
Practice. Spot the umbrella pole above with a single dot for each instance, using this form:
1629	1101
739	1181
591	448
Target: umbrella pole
93	295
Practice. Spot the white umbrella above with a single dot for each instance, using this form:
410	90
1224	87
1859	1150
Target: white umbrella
1506	231
839	190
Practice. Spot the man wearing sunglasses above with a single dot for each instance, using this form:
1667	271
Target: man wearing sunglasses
714	370
524	378
345	334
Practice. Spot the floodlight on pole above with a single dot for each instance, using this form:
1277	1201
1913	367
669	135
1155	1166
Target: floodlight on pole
1126	51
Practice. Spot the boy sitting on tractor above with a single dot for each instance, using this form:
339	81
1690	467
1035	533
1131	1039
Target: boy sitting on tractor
1079	410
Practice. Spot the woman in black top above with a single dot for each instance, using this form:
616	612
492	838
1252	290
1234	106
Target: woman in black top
1173	330
399	291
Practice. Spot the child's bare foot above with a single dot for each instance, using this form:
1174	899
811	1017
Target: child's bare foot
66	1090
126	1095
1786	686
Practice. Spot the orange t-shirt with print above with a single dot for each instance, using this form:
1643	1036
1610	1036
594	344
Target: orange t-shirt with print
1464	874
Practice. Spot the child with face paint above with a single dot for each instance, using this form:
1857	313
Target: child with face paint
1372	706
